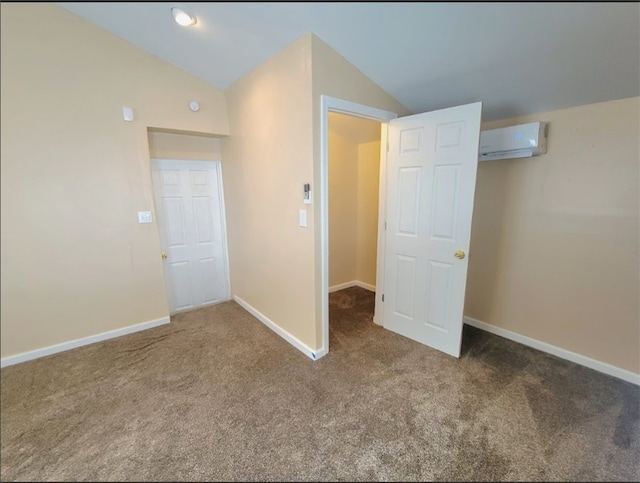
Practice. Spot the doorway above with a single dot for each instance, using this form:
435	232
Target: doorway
333	105
190	210
353	196
422	259
354	168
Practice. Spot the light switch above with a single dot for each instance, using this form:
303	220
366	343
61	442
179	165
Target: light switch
127	113
144	217
302	218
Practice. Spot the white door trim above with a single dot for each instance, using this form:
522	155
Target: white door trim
159	163
332	104
223	222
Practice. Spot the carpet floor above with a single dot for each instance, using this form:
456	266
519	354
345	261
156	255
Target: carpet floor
217	396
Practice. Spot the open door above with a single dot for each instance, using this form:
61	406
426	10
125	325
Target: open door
431	173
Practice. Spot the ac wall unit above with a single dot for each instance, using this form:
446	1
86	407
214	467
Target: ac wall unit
521	141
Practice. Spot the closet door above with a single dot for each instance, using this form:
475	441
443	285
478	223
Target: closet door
190	214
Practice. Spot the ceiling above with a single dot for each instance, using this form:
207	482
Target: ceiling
517	58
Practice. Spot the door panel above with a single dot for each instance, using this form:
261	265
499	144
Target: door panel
203	216
438	293
445	198
405	283
191	226
408	201
181	289
431	169
210	280
174	212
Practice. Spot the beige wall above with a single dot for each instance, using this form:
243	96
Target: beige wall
343	209
367	216
554	244
353	209
334	76
75	262
273	150
171	145
267	160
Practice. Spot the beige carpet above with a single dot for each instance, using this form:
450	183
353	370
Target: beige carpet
216	395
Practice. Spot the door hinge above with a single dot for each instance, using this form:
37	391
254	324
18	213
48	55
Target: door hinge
383	297
385	225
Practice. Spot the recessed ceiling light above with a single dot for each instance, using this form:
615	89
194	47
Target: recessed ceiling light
182	17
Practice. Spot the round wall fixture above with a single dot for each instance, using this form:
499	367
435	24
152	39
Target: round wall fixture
194	106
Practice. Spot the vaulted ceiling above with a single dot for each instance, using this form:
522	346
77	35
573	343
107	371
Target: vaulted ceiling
517	58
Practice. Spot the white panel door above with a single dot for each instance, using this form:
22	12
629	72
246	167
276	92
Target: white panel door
431	169
190	212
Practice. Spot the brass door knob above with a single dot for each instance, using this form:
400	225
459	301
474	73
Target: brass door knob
165	256
459	254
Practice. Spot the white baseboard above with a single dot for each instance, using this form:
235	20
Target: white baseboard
353	283
342	286
291	339
366	286
557	351
72	344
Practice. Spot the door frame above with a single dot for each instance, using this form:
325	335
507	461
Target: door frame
157	163
332	104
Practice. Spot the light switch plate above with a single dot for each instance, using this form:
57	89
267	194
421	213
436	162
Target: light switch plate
302	218
127	113
144	217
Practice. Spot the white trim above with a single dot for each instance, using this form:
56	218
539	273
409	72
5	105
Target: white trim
353	283
366	286
378	314
72	344
334	104
223	222
294	341
351	108
342	286
557	351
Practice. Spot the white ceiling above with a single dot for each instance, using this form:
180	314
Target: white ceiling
517	58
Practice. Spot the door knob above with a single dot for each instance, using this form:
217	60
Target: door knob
165	256
459	254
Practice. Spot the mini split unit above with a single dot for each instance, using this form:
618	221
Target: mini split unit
521	141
